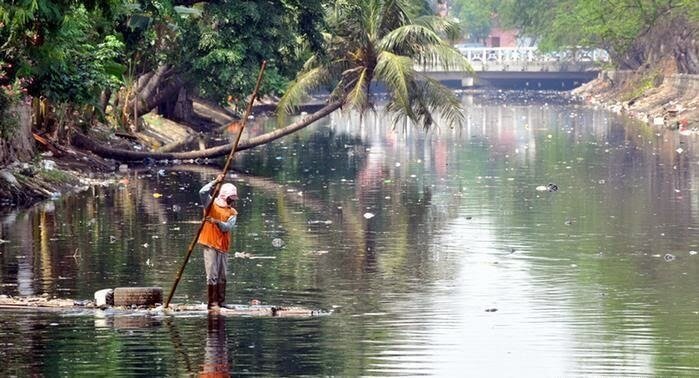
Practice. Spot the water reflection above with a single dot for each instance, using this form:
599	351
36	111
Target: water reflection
216	363
574	281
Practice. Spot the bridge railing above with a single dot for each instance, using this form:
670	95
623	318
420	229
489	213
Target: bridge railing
526	59
506	55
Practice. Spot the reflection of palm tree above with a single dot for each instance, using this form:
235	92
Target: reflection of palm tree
216	362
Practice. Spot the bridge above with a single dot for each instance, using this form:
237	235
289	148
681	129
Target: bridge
522	67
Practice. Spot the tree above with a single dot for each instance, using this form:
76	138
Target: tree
632	31
369	43
378	43
476	17
215	48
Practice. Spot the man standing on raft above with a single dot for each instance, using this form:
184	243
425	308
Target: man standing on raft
215	238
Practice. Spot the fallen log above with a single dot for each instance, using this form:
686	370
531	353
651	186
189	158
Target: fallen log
47	144
83	141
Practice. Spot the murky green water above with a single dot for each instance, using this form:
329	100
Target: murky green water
464	268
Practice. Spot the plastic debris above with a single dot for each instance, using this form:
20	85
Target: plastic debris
491	309
4	241
669	257
277	243
692	253
123	168
157	195
679	150
547	188
368	215
48	165
112	239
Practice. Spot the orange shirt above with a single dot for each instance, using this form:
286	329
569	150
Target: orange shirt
212	236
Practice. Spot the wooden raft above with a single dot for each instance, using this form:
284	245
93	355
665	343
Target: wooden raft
70	305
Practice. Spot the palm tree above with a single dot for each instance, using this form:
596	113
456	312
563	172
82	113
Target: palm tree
379	42
369	43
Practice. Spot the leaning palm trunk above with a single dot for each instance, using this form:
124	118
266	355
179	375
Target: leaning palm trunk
83	141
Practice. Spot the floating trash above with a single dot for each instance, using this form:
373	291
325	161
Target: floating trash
547	188
4	241
176	208
491	309
277	243
692	253
368	215
161	172
112	239
157	195
669	257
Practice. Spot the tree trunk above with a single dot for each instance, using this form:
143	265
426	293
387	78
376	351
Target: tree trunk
83	141
20	144
146	91
105	95
183	108
149	91
672	36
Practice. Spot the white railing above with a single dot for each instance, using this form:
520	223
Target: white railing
507	55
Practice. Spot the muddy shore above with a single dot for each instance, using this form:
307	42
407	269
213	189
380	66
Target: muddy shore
663	99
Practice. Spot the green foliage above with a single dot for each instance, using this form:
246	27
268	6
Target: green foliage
69	51
222	49
72	66
10	94
8	121
374	42
57	49
612	25
476	17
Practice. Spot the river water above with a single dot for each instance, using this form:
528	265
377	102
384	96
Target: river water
435	252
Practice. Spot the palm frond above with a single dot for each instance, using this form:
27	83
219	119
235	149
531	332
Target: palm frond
440	103
409	39
431	103
443	56
448	27
394	14
298	90
396	72
357	95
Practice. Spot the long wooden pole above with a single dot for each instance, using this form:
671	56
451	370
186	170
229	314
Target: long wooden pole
217	188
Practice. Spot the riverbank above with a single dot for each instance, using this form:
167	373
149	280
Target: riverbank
34	167
51	176
664	99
